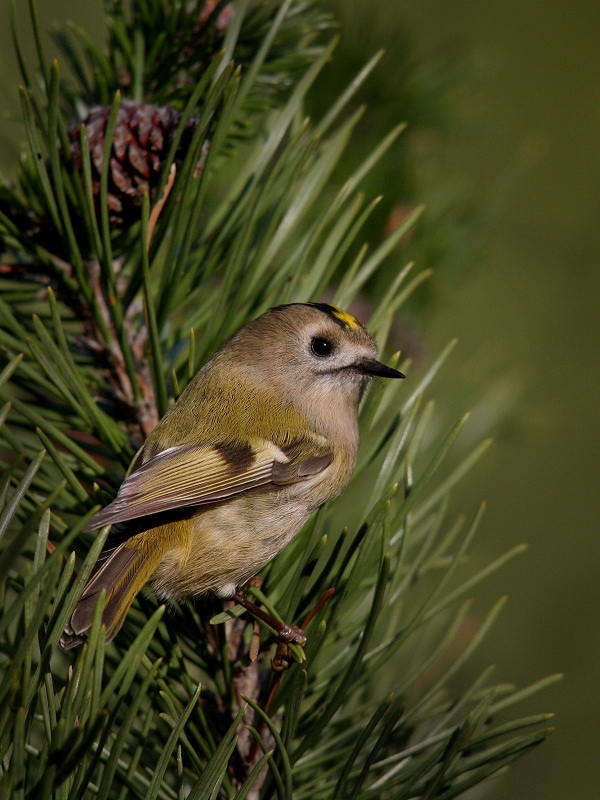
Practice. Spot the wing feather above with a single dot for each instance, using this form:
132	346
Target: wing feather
190	475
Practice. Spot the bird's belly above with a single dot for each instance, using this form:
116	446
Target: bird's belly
224	545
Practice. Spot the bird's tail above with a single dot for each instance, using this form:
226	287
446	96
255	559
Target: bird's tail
122	576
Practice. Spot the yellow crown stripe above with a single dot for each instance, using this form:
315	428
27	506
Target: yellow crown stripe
346	319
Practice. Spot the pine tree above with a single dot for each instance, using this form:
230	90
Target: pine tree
169	190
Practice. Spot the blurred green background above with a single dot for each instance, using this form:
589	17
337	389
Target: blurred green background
522	145
502	146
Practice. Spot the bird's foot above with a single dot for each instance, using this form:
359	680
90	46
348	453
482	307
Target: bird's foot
287	634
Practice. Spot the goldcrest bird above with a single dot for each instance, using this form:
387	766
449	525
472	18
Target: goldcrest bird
265	433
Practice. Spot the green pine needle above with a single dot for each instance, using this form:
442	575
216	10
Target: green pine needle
99	333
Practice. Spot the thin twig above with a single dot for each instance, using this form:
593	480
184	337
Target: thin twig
324	598
278	675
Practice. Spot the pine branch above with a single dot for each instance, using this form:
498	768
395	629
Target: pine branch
114	293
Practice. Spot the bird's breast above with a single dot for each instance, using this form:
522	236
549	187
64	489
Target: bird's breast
227	543
222	545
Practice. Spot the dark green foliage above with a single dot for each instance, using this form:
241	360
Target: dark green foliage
98	334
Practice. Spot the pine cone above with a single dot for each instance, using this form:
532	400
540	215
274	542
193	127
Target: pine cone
142	139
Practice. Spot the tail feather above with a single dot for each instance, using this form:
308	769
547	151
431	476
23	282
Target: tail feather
122	576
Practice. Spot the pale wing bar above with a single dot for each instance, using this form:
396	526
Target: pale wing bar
187	476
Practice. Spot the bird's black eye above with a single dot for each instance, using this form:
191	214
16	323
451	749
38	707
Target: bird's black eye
321	347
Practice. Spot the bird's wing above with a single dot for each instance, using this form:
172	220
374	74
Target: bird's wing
190	475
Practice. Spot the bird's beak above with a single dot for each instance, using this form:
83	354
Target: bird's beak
369	366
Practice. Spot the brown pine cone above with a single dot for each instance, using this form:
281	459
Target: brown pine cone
142	139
